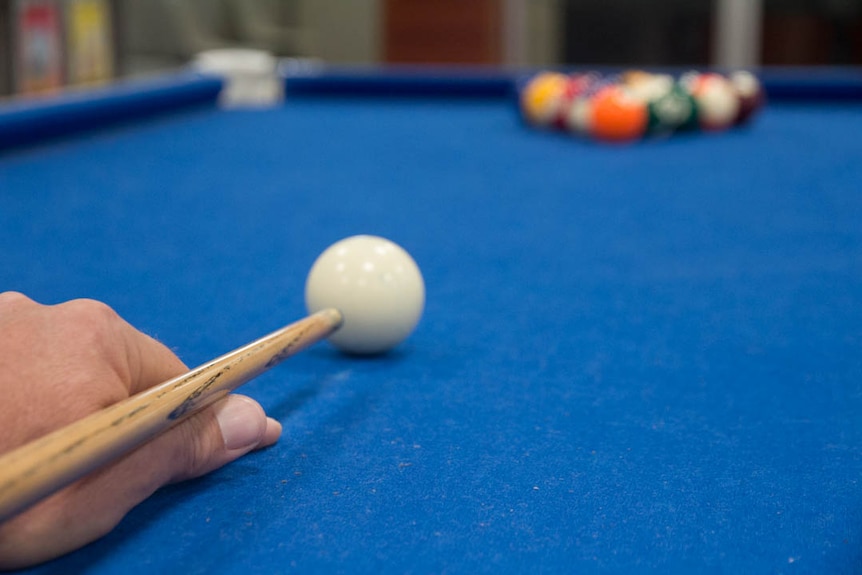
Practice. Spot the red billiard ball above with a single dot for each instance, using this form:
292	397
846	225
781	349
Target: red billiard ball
577	88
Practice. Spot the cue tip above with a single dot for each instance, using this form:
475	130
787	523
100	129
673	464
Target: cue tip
333	316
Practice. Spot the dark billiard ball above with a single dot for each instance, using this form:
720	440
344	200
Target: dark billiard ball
673	110
750	93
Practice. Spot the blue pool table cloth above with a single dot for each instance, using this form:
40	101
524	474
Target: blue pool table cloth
633	359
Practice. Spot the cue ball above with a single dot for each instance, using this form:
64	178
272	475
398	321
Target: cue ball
376	286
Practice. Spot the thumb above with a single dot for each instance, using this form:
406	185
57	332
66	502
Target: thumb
220	434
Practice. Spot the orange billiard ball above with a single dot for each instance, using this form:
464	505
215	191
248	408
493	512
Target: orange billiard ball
617	115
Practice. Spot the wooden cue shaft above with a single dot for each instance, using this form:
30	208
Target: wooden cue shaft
38	469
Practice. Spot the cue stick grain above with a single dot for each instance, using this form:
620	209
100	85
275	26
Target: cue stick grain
45	465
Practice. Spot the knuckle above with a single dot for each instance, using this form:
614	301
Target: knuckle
14	298
97	331
93	320
91	310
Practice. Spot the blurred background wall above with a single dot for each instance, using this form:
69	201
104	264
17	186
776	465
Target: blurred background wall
47	44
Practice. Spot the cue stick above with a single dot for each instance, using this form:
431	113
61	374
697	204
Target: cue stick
45	465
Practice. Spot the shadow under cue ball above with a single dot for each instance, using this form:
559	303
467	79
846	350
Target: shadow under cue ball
376	286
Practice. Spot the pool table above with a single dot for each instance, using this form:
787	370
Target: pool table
633	359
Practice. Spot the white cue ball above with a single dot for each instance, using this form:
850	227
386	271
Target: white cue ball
376	286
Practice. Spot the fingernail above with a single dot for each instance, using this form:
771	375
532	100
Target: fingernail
242	422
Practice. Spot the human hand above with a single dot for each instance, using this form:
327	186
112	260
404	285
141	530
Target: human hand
61	363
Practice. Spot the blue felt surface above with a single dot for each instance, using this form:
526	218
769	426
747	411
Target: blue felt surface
643	359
